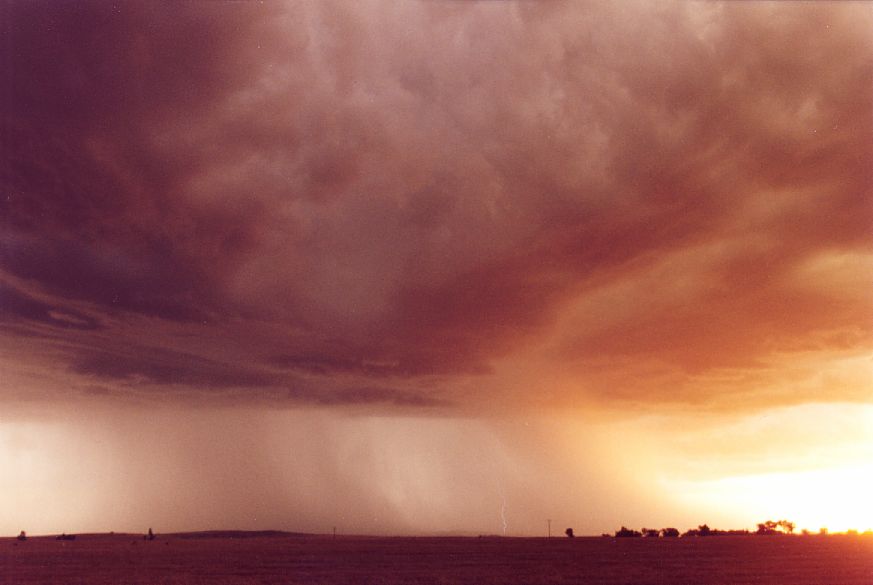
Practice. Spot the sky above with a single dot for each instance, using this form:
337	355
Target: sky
435	267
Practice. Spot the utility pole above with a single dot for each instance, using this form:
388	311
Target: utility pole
550	527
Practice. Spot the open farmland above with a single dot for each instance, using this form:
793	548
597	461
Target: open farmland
105	559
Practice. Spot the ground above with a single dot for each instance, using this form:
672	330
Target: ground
313	560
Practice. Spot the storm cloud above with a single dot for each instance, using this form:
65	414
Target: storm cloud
388	202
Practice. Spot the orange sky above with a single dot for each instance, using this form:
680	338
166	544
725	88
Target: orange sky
427	267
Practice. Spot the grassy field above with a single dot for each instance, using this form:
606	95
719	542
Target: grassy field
127	559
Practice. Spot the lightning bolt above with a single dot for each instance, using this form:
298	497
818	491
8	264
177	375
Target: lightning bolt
503	513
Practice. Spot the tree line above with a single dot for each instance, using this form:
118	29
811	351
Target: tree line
767	528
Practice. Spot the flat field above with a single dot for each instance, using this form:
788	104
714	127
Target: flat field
127	559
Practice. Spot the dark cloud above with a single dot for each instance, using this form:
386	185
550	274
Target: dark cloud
110	277
326	364
364	396
428	190
164	368
92	207
15	305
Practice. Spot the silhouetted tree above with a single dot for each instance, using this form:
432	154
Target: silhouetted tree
627	533
22	536
150	535
775	527
704	530
569	533
650	532
670	532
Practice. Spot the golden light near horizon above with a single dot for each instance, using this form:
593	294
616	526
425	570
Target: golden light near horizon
835	499
824	472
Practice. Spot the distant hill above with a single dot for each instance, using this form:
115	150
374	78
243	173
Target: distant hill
236	534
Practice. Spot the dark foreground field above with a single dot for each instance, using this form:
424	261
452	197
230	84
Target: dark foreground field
119	559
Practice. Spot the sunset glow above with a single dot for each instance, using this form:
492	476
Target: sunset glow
819	477
427	267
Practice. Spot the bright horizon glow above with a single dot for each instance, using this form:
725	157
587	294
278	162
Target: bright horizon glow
836	499
830	480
